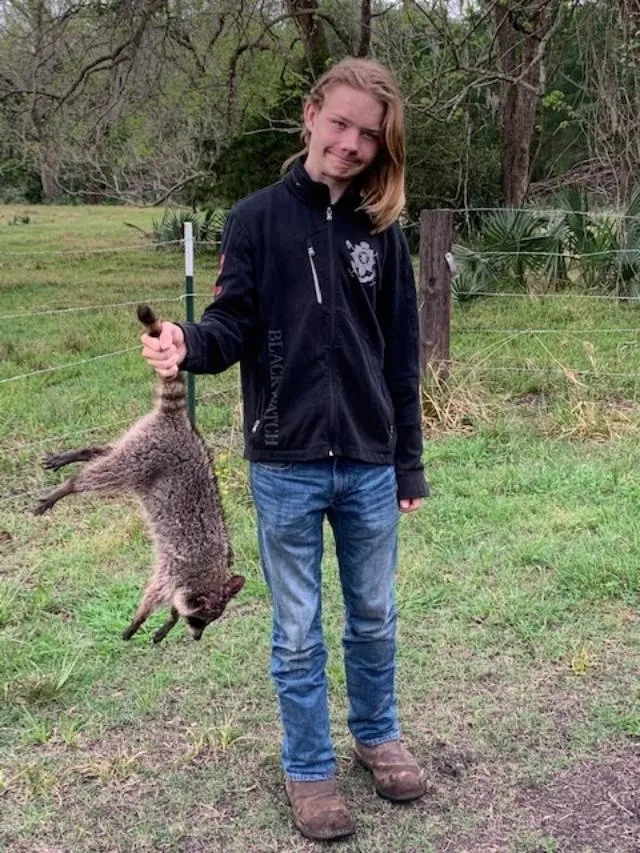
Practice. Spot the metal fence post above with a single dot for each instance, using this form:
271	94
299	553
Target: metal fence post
189	298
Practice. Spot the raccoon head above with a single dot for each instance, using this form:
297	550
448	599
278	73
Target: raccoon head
207	607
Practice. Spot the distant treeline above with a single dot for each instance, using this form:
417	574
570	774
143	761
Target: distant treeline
198	102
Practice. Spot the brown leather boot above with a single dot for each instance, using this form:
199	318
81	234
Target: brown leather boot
319	812
396	774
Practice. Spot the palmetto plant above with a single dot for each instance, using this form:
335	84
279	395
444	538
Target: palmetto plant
533	250
627	258
512	248
207	228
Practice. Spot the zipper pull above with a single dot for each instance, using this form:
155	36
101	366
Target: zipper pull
254	428
329	214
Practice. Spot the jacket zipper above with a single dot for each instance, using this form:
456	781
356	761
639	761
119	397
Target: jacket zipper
332	279
311	252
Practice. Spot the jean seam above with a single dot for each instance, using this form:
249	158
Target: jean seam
305	777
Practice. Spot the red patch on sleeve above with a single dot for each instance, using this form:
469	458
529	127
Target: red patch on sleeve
217	290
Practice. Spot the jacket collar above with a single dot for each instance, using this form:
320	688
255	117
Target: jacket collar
316	194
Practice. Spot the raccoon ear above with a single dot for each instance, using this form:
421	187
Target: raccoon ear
234	585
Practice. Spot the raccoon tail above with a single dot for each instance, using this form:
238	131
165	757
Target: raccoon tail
148	318
171	393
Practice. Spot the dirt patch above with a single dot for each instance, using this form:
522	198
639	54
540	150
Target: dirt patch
593	807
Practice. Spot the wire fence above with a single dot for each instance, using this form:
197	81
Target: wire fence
505	337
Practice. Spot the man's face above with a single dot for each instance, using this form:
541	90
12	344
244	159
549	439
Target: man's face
345	135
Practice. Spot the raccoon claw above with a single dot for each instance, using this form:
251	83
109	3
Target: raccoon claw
159	636
52	461
42	506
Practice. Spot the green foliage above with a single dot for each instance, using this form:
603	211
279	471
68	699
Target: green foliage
20	219
511	246
254	157
452	164
570	247
168	232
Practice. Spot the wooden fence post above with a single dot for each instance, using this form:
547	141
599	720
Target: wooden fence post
434	291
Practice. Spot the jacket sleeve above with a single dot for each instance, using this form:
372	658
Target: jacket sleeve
398	317
228	324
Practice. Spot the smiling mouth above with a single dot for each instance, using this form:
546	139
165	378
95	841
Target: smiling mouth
345	161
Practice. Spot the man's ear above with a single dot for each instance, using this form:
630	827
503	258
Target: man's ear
310	112
234	585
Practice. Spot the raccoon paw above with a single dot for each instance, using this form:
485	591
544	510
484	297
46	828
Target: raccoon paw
53	461
43	505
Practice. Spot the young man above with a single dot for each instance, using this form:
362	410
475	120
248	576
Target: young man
316	299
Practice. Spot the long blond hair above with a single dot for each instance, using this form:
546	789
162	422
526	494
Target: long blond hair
383	191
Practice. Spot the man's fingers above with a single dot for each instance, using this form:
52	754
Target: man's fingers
162	360
167	336
410	504
149	343
166	352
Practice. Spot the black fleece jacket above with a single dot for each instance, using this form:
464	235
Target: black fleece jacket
322	316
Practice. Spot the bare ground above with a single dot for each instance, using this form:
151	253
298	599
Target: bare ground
200	805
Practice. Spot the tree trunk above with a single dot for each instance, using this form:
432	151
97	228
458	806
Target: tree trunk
311	31
365	28
48	169
520	29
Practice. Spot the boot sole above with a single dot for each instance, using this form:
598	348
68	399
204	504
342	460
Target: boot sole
323	836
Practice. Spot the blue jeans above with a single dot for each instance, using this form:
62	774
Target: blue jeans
360	502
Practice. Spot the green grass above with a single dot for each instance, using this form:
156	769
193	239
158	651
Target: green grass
517	590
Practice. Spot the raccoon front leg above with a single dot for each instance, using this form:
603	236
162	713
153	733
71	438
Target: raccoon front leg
53	461
151	599
162	632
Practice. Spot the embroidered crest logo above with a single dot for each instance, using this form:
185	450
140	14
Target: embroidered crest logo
363	262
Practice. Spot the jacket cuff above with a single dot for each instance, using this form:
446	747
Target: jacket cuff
412	484
193	360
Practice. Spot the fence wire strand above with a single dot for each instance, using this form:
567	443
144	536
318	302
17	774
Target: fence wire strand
591	214
102	306
73	252
68	365
153	247
526	331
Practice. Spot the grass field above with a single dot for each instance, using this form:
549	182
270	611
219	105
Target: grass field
518	586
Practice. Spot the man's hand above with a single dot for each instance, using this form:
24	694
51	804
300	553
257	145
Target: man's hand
165	353
410	504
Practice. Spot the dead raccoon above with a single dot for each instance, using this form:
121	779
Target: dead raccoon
163	460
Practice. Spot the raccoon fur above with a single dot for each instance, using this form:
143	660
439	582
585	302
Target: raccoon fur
165	463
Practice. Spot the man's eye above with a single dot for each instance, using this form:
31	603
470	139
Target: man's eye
338	123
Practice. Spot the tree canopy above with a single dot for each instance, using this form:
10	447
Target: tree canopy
199	101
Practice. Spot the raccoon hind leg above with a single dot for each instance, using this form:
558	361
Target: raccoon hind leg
47	501
162	632
151	599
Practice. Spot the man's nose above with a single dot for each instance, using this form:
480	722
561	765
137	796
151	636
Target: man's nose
350	139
